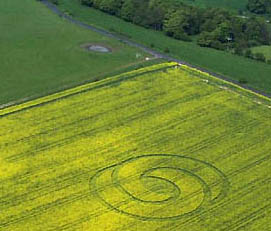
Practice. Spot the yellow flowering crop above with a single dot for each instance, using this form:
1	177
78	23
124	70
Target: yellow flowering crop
156	149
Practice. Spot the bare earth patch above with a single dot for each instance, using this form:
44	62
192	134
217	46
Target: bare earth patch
97	48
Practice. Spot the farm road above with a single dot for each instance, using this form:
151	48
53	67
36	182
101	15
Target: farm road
152	52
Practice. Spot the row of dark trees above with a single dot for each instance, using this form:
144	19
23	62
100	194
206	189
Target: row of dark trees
259	6
216	28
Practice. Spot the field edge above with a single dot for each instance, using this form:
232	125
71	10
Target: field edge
82	88
205	76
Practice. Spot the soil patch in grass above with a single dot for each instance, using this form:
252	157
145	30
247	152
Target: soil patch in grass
97	48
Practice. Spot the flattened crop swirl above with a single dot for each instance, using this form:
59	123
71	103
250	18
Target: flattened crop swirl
159	186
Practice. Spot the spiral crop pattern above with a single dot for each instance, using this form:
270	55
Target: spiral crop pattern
159	186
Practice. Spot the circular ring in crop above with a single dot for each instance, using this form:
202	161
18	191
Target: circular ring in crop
159	186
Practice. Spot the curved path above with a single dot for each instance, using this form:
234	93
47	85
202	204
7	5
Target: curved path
152	52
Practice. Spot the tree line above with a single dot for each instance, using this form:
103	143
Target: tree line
259	6
215	28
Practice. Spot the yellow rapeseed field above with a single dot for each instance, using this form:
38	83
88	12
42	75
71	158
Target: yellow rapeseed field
156	149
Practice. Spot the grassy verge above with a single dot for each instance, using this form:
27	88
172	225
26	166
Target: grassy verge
265	50
232	66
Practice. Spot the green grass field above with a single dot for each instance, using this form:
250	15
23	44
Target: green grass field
266	50
226	4
41	53
157	149
257	74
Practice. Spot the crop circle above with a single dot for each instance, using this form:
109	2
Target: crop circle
159	186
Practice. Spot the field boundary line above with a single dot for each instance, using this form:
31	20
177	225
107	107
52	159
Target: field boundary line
83	88
203	74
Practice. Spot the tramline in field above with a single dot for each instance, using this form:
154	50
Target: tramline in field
160	148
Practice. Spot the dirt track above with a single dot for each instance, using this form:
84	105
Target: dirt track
152	52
